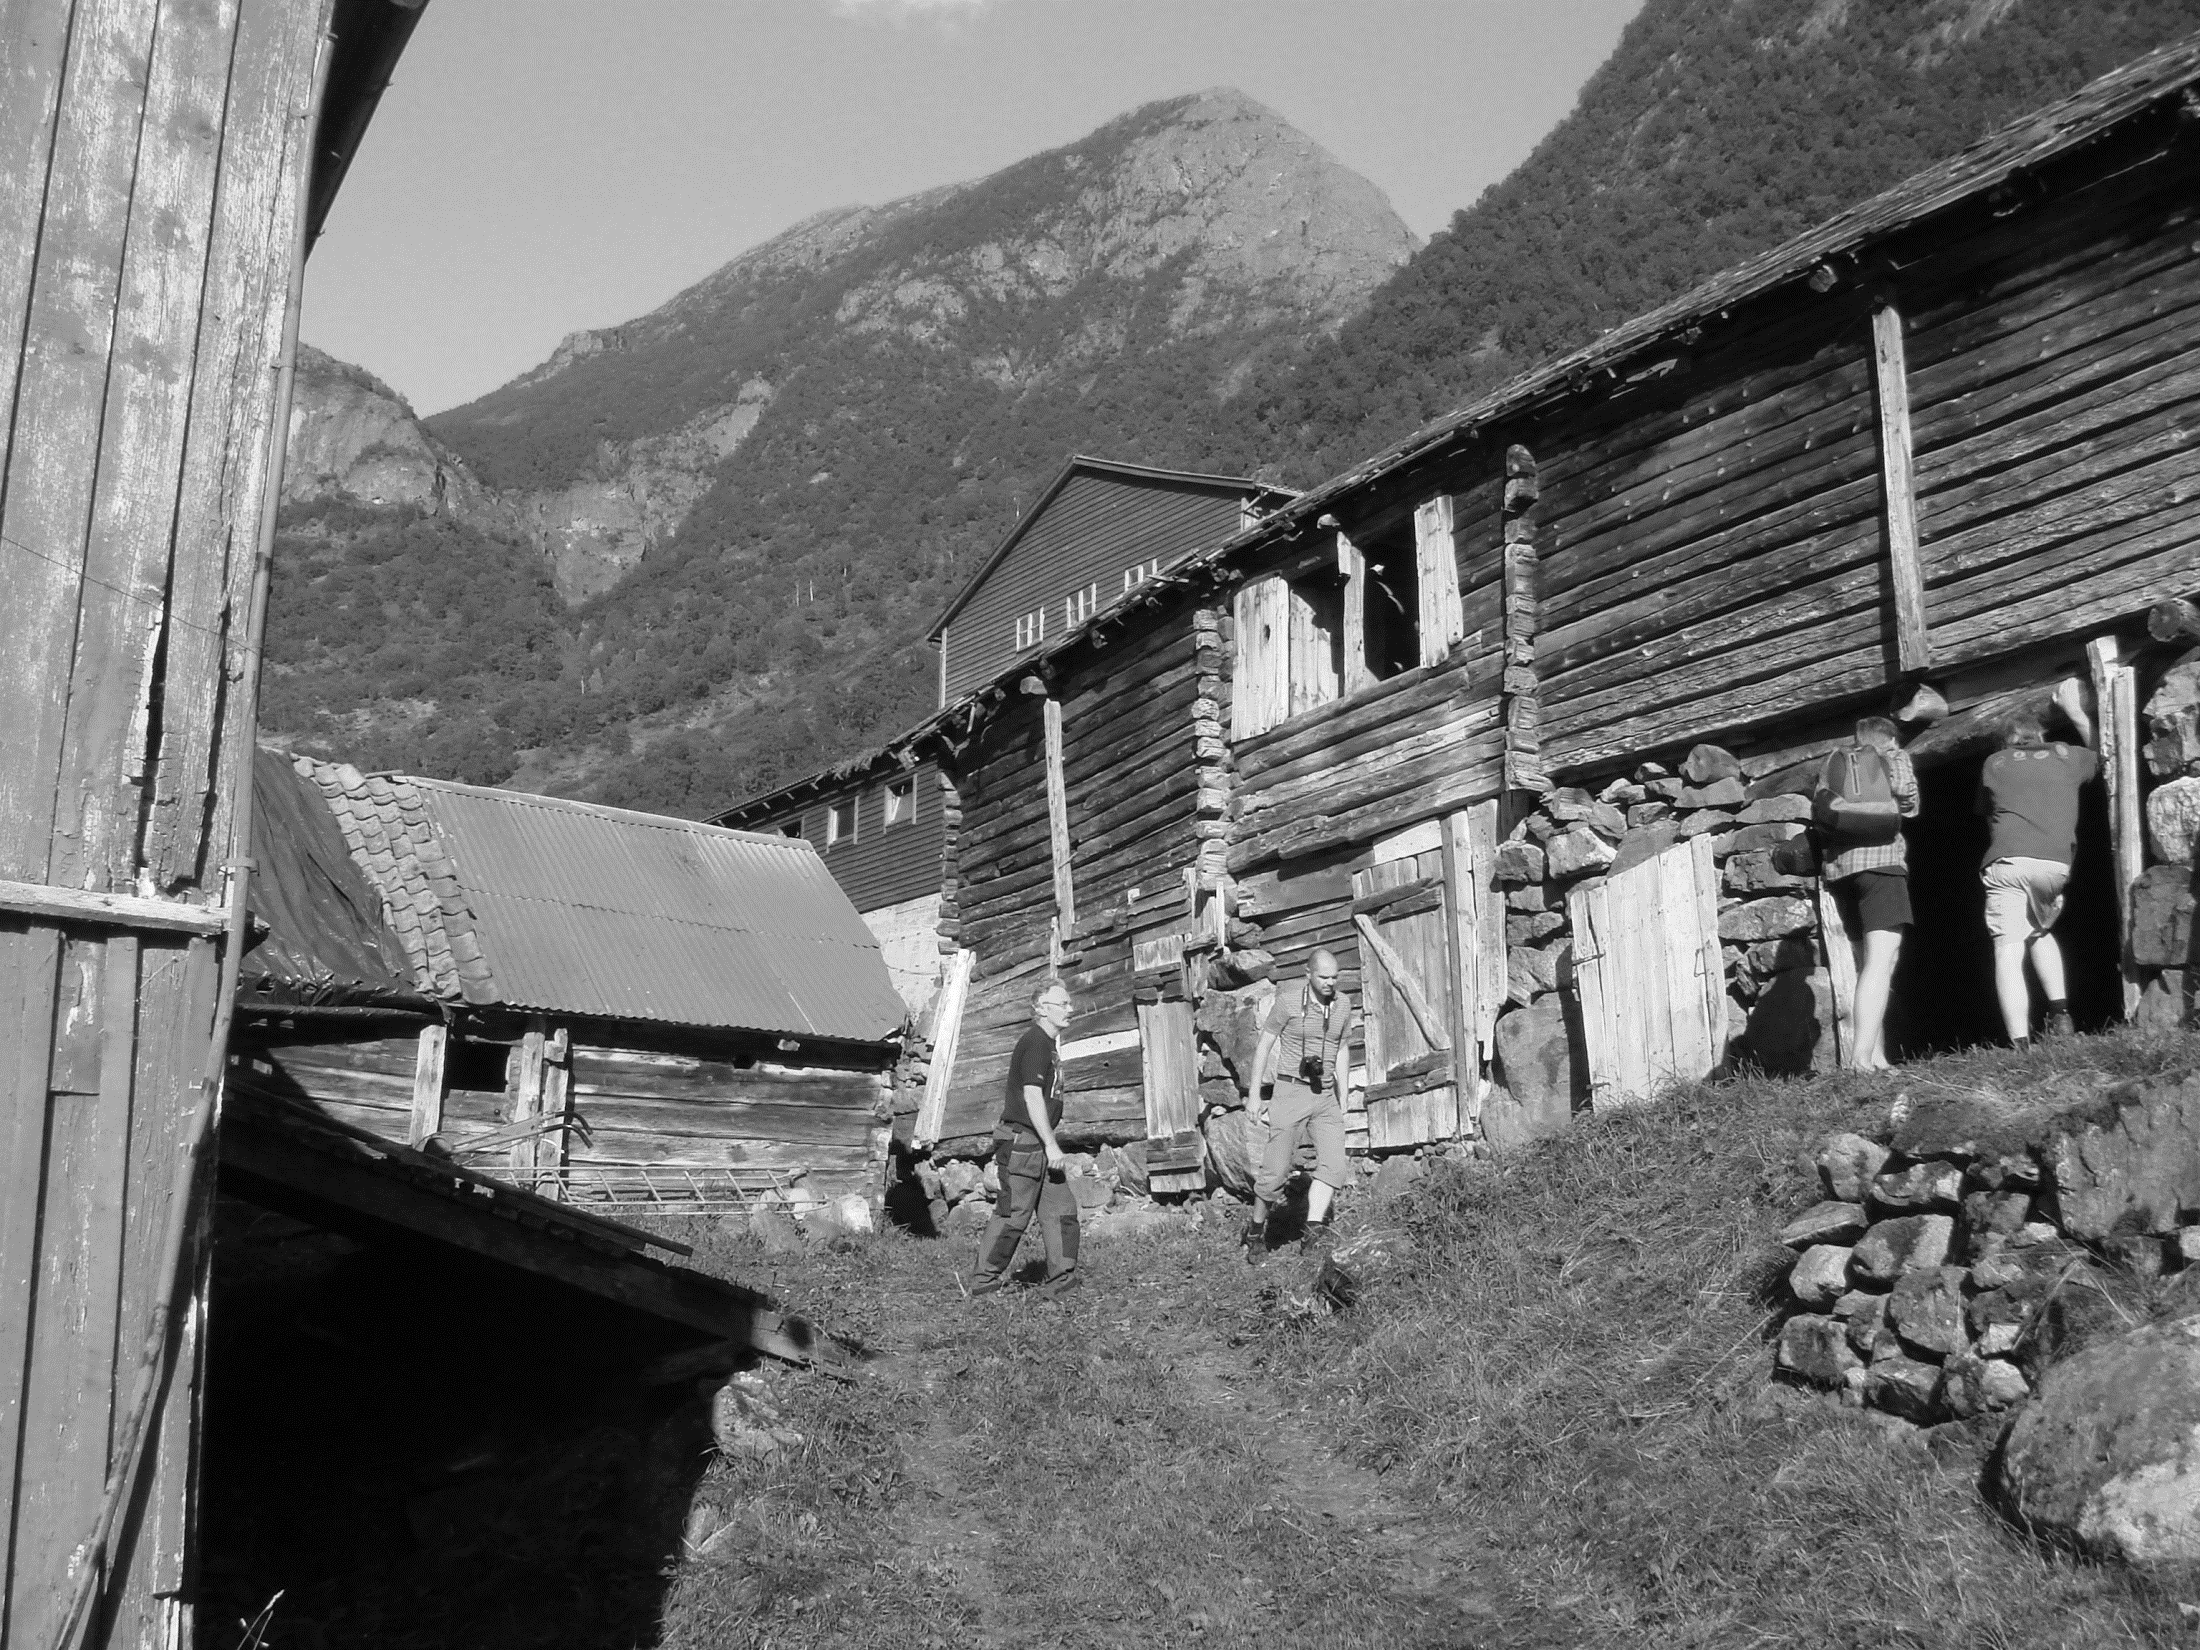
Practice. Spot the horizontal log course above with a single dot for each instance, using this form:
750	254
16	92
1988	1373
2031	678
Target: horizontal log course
1280	890
633	1072
1459	688
1365	764
735	1120
1311	730
1473	752
1425	789
646	1149
1165	808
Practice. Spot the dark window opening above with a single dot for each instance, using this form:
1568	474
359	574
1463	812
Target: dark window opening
1943	994
476	1067
1393	607
791	827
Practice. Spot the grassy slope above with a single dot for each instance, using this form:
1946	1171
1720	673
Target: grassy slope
1553	1426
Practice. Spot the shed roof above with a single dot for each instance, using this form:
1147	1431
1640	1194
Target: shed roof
540	903
1083	464
325	941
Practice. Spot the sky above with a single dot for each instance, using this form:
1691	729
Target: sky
541	166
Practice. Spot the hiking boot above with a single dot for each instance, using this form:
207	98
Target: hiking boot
988	1286
2058	1024
1055	1288
1254	1237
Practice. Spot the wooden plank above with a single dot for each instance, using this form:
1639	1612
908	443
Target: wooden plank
1260	688
939	1076
427	1086
33	899
1466	891
1589	915
34	37
1891	392
30	961
1169	1044
1436	564
1711	959
2116	715
1352	569
1679	934
1058	842
1840	953
527	1095
54	459
106	733
1492	983
1315	668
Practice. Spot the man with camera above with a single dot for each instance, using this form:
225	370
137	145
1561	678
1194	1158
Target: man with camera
1298	1090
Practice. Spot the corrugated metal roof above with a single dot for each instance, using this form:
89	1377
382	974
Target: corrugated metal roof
570	908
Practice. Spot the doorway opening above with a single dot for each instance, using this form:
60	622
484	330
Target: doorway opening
1944	984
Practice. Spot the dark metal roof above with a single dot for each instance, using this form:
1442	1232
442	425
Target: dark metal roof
540	903
1081	464
326	942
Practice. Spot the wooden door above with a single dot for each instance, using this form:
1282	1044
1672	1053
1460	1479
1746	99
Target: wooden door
1169	1053
1652	984
1402	916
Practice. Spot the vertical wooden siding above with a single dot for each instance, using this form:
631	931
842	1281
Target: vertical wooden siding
153	156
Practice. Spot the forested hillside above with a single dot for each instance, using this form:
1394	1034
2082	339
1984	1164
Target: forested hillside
1717	129
754	499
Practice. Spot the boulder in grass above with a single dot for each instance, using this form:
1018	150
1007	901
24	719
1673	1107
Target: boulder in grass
2106	1458
1869	1336
1820	1274
2131	1165
1535	1058
1828	1222
1975	1385
1892	1249
1126	1165
1926	1310
1920	1186
1847	1166
2002	1213
960	1178
1816	1348
2165	1001
967	1218
1903	1386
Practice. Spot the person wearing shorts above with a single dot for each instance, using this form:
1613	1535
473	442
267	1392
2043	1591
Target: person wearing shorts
2029	795
1870	884
1298	1090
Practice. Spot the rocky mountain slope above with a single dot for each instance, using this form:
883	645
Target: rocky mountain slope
752	500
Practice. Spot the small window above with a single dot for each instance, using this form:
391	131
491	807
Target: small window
476	1068
791	827
901	801
840	822
1031	629
1133	577
1079	605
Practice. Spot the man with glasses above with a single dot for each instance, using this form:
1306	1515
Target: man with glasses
1298	1090
1030	1157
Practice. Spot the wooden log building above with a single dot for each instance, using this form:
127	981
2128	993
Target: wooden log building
1442	713
599	1006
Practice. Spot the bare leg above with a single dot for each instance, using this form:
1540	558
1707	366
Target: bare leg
1873	983
2047	963
1318	1194
2009	987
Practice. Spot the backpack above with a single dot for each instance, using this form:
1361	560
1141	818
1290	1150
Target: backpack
1854	802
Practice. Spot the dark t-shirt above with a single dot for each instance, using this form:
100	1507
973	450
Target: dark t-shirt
1303	1026
2030	793
1037	1062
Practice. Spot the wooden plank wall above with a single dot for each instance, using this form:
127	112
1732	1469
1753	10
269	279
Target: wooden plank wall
153	160
632	1111
1138	790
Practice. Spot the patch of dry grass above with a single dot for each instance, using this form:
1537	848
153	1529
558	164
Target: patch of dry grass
1578	1366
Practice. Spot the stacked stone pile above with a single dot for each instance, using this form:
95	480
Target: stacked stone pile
1949	1263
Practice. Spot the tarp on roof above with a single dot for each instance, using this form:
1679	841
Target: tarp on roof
536	902
326	941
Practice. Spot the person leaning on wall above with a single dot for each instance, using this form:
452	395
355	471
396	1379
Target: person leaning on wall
2029	795
1866	868
1298	1091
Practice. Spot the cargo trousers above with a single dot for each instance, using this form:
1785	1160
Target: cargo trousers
1295	1110
1028	1191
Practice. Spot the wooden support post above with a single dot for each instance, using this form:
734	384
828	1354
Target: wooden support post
1474	912
1436	568
1352	572
1841	974
2116	715
1065	897
1521	690
527	1095
939	1075
1891	387
552	1144
427	1095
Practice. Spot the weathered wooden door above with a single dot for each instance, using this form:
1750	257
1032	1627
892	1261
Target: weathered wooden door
1653	988
1405	985
1169	1048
